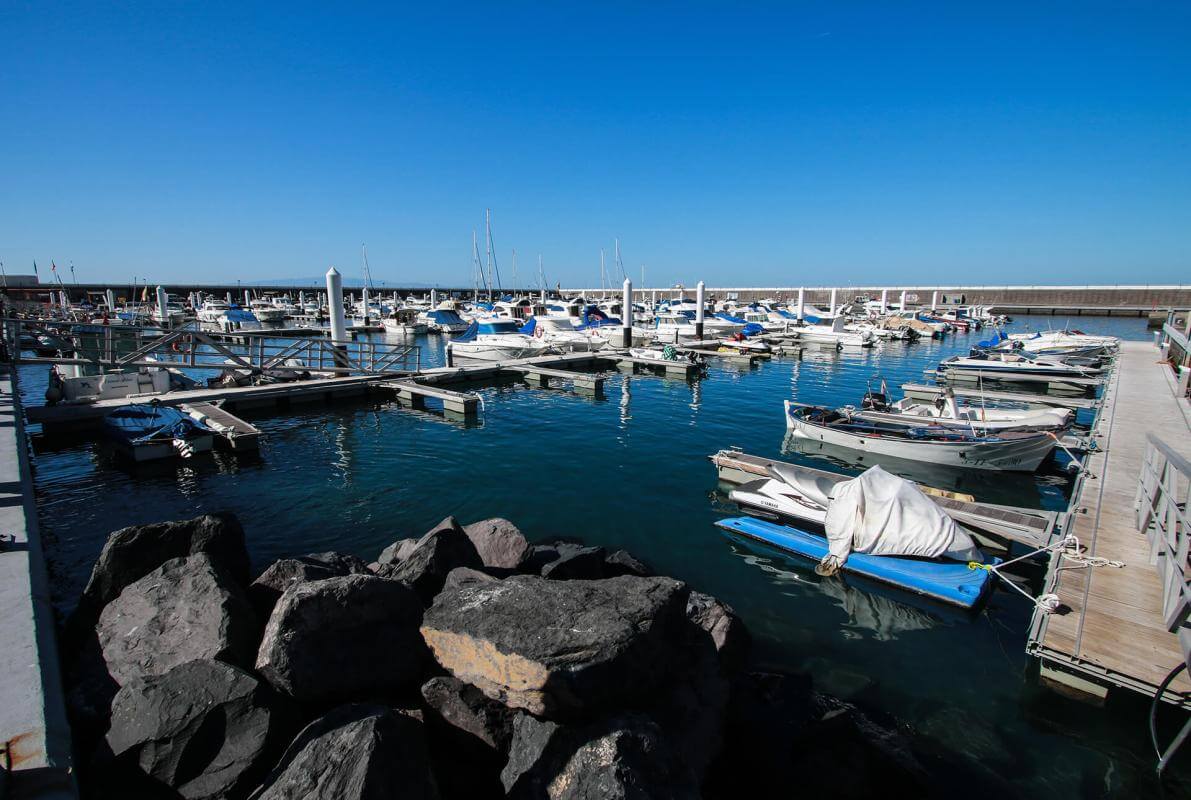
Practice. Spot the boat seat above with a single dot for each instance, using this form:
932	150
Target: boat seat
815	488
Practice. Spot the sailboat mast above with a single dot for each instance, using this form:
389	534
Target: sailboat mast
603	275
477	270
541	275
619	265
514	269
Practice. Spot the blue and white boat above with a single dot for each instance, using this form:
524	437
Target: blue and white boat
149	431
444	319
949	582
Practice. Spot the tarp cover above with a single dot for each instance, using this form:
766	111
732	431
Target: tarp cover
885	515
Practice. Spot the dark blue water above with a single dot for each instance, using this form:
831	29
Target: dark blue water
629	469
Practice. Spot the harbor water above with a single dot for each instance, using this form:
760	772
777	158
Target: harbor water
629	469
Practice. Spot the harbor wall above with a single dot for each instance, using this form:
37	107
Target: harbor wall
34	733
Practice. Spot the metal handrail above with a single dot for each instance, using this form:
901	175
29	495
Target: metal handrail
1163	488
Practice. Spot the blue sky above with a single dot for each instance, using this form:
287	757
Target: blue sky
739	143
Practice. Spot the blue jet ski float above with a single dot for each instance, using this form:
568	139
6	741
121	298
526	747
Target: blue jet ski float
876	525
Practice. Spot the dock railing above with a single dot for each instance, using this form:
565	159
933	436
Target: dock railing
124	346
1163	488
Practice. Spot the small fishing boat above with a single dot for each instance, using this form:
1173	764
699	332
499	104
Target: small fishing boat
948	582
946	413
1018	451
836	333
444	319
149	431
669	353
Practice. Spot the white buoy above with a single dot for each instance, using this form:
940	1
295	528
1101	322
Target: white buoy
801	301
335	306
700	305
626	313
934	300
833	302
163	314
884	300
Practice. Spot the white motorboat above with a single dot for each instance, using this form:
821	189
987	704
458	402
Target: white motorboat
1019	451
265	311
946	413
212	311
1008	362
403	321
667	354
836	333
496	340
562	333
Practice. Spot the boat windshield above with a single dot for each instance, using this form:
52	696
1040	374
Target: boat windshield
499	327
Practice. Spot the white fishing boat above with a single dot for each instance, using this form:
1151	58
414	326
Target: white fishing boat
667	354
403	321
946	413
443	319
496	340
1018	451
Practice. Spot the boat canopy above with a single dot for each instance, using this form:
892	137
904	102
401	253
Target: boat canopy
444	316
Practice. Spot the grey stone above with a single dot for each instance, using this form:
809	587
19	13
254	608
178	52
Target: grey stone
342	638
622	562
202	728
617	758
466	576
131	553
499	543
729	635
575	561
441	550
356	752
559	647
397	552
186	609
286	572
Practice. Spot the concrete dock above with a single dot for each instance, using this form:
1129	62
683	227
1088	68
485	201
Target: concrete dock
1114	633
34	737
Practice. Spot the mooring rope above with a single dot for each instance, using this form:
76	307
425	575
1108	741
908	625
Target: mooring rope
1068	548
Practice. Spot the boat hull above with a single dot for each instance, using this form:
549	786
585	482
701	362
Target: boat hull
1014	455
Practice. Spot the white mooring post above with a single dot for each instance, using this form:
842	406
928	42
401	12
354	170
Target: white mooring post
884	300
228	297
364	304
434	298
626	313
163	314
335	307
247	298
833	298
111	298
700	309
934	300
801	301
902	303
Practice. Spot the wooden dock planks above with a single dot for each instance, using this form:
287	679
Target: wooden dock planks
1114	633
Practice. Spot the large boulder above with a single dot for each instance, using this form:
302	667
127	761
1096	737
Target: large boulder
343	638
361	752
559	647
441	550
465	726
132	553
622	562
569	561
499	543
617	758
287	572
186	609
466	576
202	728
397	552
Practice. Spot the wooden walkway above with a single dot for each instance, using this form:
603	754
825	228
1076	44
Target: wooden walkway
1113	634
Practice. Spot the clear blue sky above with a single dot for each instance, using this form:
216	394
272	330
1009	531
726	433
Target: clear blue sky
741	143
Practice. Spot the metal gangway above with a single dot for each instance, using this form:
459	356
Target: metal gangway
1163	489
112	347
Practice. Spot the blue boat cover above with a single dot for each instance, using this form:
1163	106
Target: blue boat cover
735	320
528	328
945	581
468	335
144	421
753	329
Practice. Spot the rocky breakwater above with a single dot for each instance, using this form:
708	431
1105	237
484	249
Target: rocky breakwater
463	663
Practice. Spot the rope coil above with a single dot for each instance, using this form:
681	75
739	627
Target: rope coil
1068	548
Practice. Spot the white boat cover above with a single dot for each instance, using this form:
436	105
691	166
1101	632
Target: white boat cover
885	515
